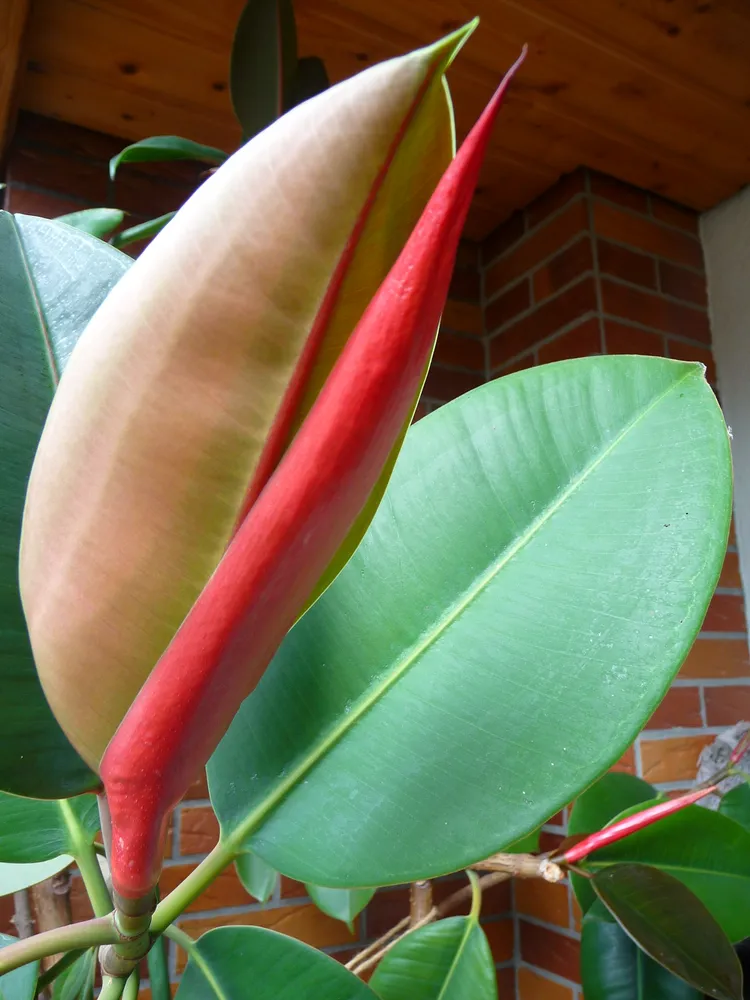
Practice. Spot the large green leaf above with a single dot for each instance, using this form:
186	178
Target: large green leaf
614	967
736	805
341	904
612	794
159	148
20	876
263	69
672	926
530	585
52	279
251	963
706	851
447	960
34	830
21	983
257	877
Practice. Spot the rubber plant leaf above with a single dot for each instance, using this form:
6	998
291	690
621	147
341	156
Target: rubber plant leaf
289	535
192	379
160	148
99	222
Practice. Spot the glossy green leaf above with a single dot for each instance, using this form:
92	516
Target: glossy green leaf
33	830
97	222
392	738
159	148
708	852
596	808
251	963
447	960
77	981
264	64
143	231
21	983
257	877
341	904
614	967
52	279
310	79
20	876
736	805
672	926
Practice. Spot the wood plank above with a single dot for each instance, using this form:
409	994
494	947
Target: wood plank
13	20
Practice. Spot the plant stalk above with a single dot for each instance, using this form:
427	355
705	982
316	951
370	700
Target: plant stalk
87	934
180	898
112	987
93	879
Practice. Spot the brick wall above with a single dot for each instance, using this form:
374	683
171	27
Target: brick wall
54	168
595	266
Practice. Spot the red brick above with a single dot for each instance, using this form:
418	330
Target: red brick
421	411
726	613
502	238
506	983
580	342
465	284
549	841
138	191
446	384
547	901
225	890
456	351
519	365
563	268
690	286
555	197
674	214
305	922
550	950
557	820
57	172
626	763
22	202
463	316
574	303
621	262
467	255
730	571
497	899
500	936
533	986
626	195
717	658
508	305
34	129
692	352
199	830
623	339
654	311
680	707
537	246
7	912
291	888
385	909
646	234
726	705
672	759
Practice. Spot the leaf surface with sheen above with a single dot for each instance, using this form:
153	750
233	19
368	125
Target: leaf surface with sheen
34	830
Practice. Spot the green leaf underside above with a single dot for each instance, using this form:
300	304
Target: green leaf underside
21	983
447	960
341	904
52	278
160	148
256	876
613	967
14	877
709	853
672	926
736	805
34	830
251	963
596	808
424	694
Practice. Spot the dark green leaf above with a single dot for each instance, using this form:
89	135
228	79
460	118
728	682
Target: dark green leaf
21	983
158	971
52	279
76	982
251	963
526	845
264	64
143	231
20	876
613	967
706	851
34	830
528	588
310	79
341	904
257	877
672	926
95	221
596	807
159	148
736	805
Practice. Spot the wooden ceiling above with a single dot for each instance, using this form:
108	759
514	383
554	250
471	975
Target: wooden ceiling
655	92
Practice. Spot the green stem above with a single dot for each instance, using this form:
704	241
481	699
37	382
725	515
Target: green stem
180	898
179	937
93	879
87	934
132	986
112	987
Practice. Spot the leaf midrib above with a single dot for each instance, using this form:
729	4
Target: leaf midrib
234	839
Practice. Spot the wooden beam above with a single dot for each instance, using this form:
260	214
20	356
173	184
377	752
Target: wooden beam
13	19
